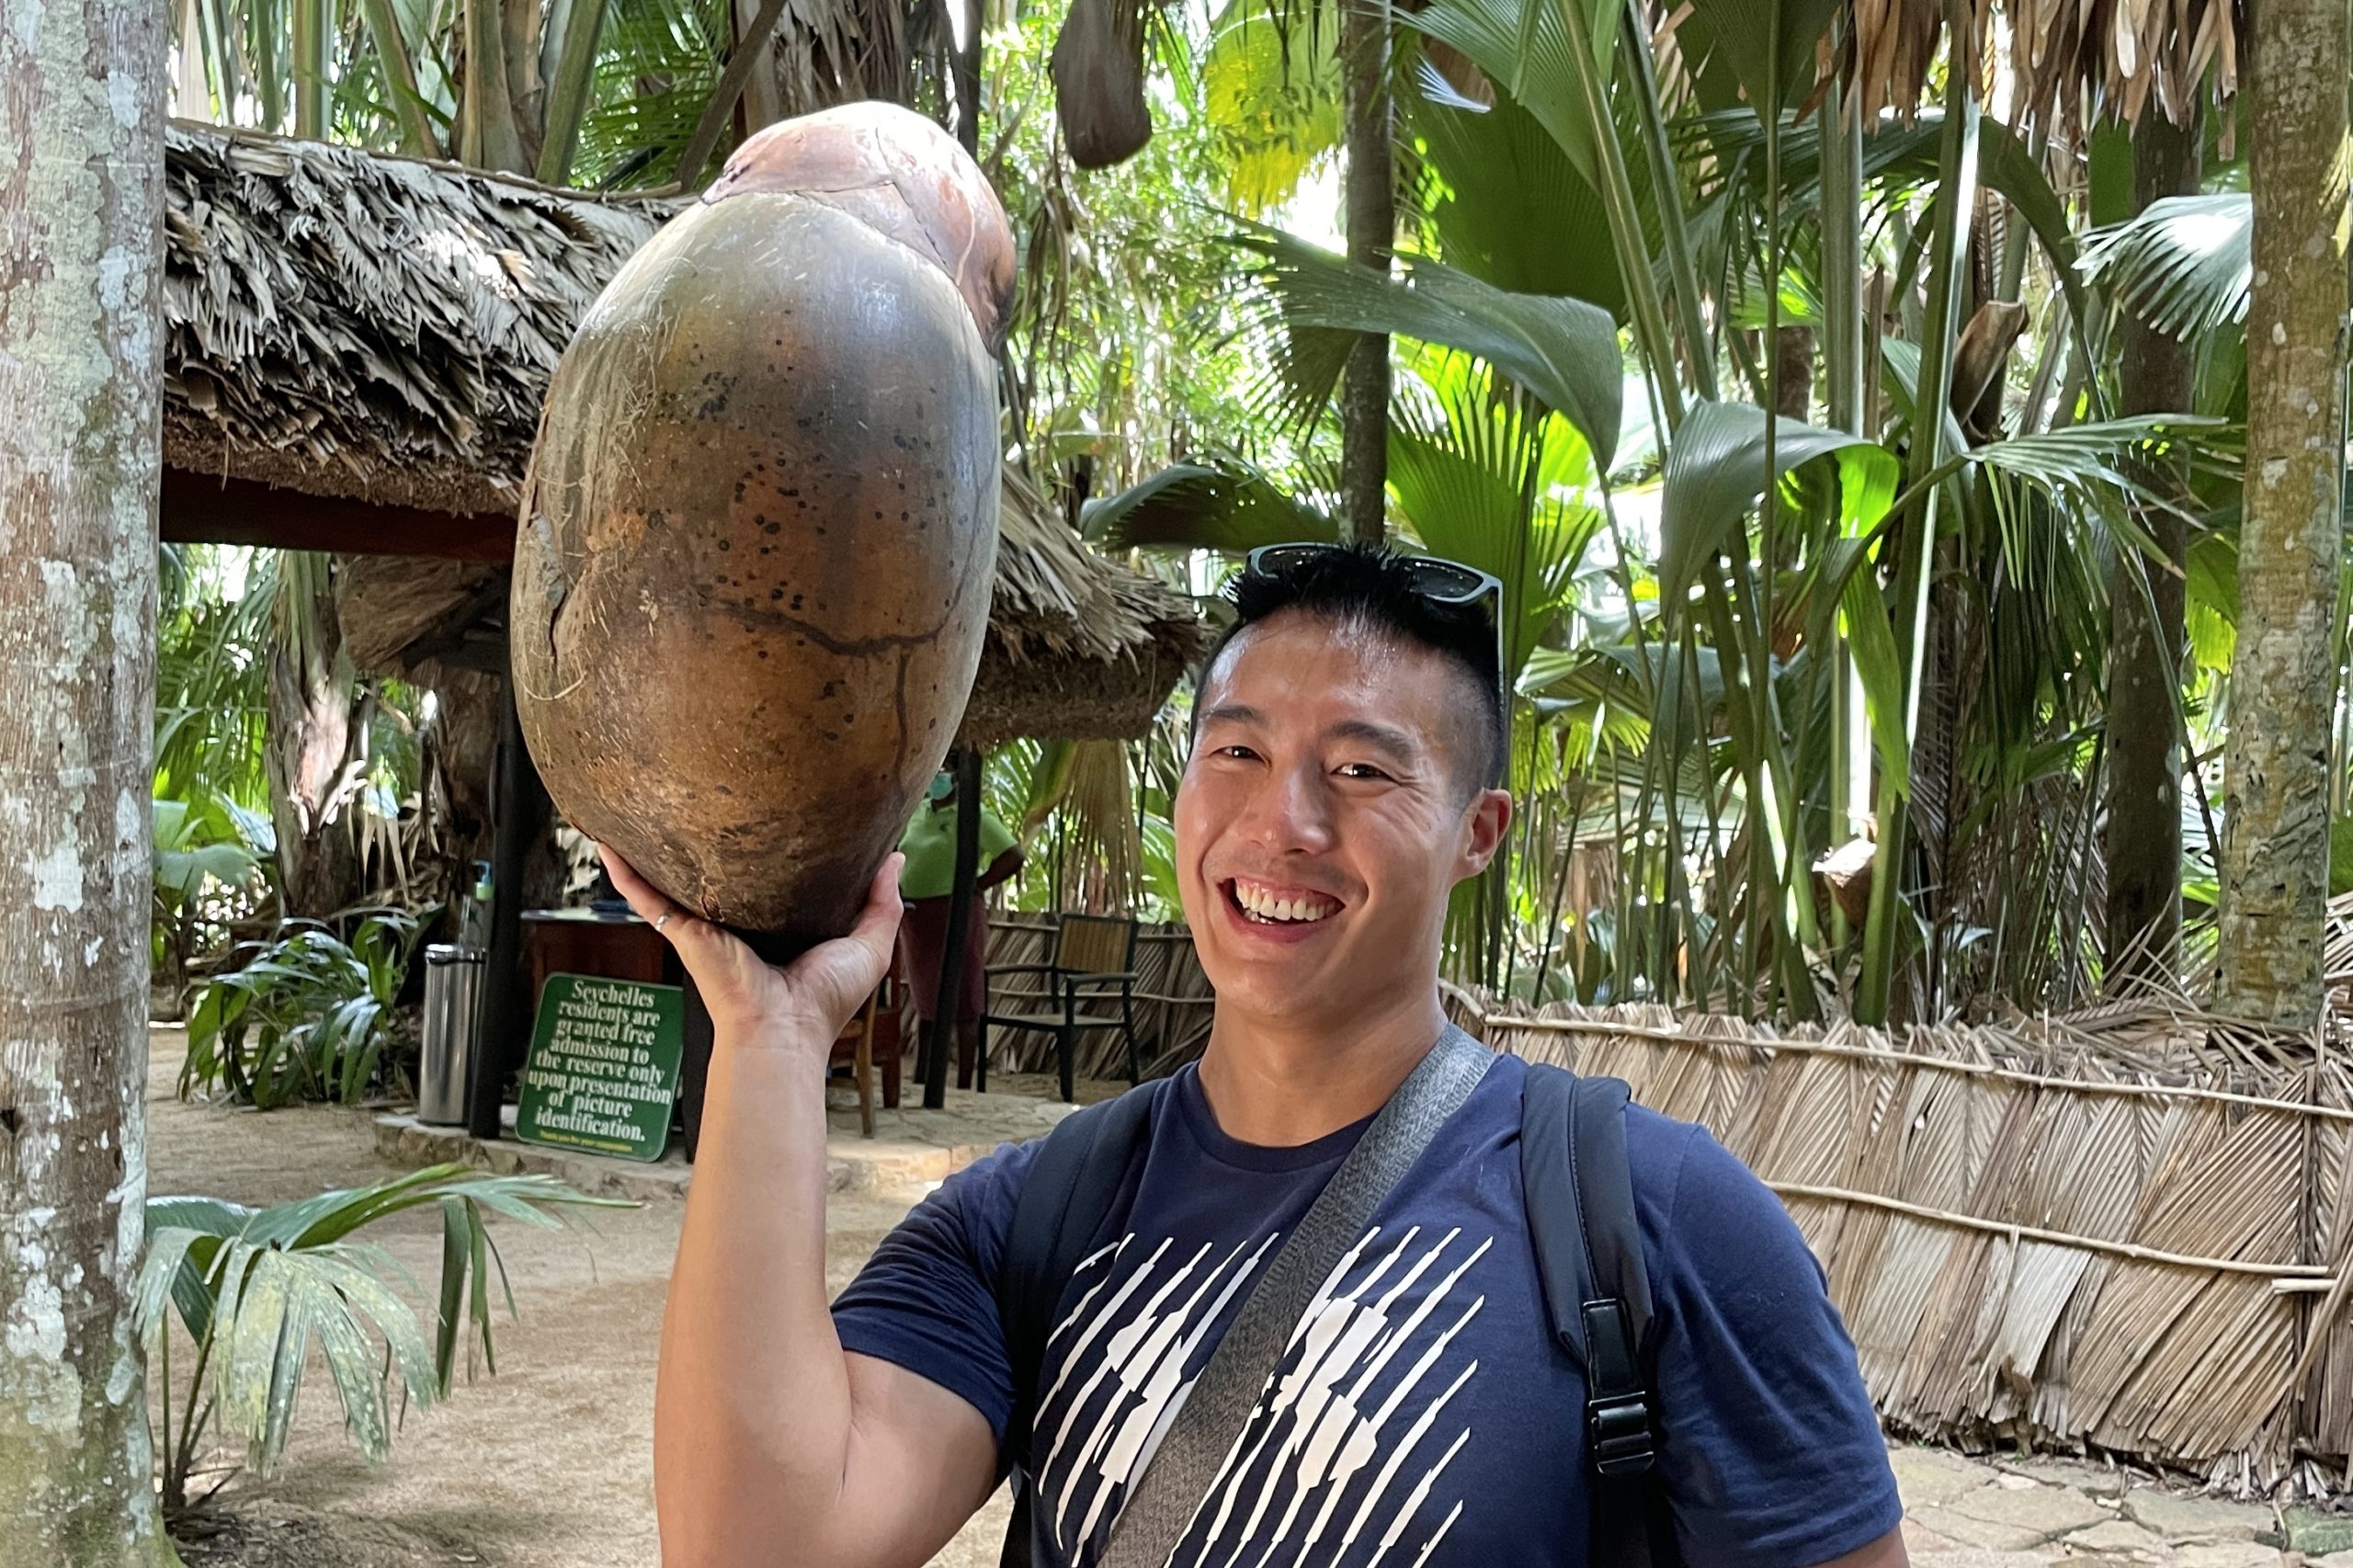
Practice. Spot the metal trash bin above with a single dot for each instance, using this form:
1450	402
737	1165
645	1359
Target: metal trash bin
453	987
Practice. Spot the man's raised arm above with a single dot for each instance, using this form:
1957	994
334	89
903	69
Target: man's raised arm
772	1445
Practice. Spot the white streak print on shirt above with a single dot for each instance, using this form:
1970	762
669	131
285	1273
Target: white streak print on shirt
1375	1350
1145	1360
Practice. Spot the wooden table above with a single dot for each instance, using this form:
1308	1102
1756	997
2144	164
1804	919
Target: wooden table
589	941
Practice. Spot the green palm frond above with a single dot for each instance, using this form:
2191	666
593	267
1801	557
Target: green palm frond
1229	506
1716	472
1562	351
1271	88
1524	47
1515	211
252	1288
2184	264
1479	482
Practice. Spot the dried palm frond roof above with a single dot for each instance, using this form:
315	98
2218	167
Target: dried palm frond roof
382	329
2070	61
376	328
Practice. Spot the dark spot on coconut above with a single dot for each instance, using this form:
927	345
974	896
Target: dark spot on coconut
8	1117
725	544
775	594
772	527
902	515
764	653
796	601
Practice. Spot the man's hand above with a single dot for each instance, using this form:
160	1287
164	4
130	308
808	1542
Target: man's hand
803	1004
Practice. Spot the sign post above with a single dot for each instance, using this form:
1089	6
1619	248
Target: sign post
604	1066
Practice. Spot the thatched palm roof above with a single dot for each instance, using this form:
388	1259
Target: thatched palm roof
381	330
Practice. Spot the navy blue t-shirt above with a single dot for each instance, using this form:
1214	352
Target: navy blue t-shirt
1423	1417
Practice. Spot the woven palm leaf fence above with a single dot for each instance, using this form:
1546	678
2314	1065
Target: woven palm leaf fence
2127	1230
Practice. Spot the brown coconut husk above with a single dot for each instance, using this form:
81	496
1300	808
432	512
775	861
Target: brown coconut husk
1098	83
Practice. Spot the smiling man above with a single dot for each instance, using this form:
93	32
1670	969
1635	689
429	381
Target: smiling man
1415	1406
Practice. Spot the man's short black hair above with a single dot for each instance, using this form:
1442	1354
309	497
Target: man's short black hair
1367	586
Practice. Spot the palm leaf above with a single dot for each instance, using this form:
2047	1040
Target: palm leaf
1524	46
1515	212
2184	264
1715	473
1563	351
1229	506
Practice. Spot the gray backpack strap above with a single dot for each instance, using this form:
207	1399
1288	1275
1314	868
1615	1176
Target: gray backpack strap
1178	1474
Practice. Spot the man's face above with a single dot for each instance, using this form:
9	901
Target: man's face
1326	810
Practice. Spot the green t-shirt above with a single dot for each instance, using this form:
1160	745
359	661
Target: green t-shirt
929	845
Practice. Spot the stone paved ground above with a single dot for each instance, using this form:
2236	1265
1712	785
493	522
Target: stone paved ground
548	1465
2024	1513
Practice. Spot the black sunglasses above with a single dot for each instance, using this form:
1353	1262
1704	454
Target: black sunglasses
1440	582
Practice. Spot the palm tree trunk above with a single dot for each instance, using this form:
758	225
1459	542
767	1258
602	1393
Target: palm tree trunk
310	744
487	135
1370	197
81	383
2283	682
2143	848
762	100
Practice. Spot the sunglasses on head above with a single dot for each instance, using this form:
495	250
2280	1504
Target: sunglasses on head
1438	582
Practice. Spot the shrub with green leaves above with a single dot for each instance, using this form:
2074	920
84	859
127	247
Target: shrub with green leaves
208	848
253	1287
309	1018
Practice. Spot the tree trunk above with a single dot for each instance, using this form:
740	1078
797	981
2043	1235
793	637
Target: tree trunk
1793	372
2143	848
763	101
1371	206
310	744
81	435
2283	682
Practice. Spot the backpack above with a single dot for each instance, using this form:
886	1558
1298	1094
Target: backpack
1588	1257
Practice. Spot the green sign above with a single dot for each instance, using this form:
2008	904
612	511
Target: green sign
604	1066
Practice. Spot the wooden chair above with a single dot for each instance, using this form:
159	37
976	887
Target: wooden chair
1094	958
872	1031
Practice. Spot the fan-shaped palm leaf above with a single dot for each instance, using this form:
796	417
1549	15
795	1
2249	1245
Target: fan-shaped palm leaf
1515	211
1715	473
1563	351
1524	47
1230	506
253	1287
2183	264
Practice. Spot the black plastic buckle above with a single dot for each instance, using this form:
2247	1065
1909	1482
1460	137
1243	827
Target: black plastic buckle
1620	1432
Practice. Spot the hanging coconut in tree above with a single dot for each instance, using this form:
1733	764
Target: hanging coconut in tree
759	531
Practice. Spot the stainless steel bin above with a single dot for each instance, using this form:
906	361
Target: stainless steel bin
453	986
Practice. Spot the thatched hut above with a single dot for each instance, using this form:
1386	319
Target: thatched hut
355	350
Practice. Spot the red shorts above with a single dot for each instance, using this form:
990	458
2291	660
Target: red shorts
923	947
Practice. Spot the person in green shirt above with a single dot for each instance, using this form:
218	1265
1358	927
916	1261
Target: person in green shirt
927	883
